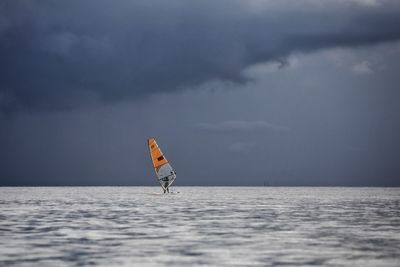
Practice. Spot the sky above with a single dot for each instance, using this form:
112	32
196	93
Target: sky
285	93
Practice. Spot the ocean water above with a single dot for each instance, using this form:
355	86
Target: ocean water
199	226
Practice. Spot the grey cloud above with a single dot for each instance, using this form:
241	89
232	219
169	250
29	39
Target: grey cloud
363	67
241	126
240	147
58	55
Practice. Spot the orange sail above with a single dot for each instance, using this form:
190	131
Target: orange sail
157	157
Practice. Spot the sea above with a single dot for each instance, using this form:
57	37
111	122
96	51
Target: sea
199	226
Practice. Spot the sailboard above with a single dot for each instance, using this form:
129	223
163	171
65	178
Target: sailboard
166	175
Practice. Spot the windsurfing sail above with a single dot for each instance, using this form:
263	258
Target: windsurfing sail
164	171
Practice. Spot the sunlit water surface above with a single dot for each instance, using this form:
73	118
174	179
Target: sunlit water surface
242	226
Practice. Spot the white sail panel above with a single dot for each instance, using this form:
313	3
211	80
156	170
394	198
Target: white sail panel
166	175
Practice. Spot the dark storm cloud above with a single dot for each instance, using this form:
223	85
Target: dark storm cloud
57	55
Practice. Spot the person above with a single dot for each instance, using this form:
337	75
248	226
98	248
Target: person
166	187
